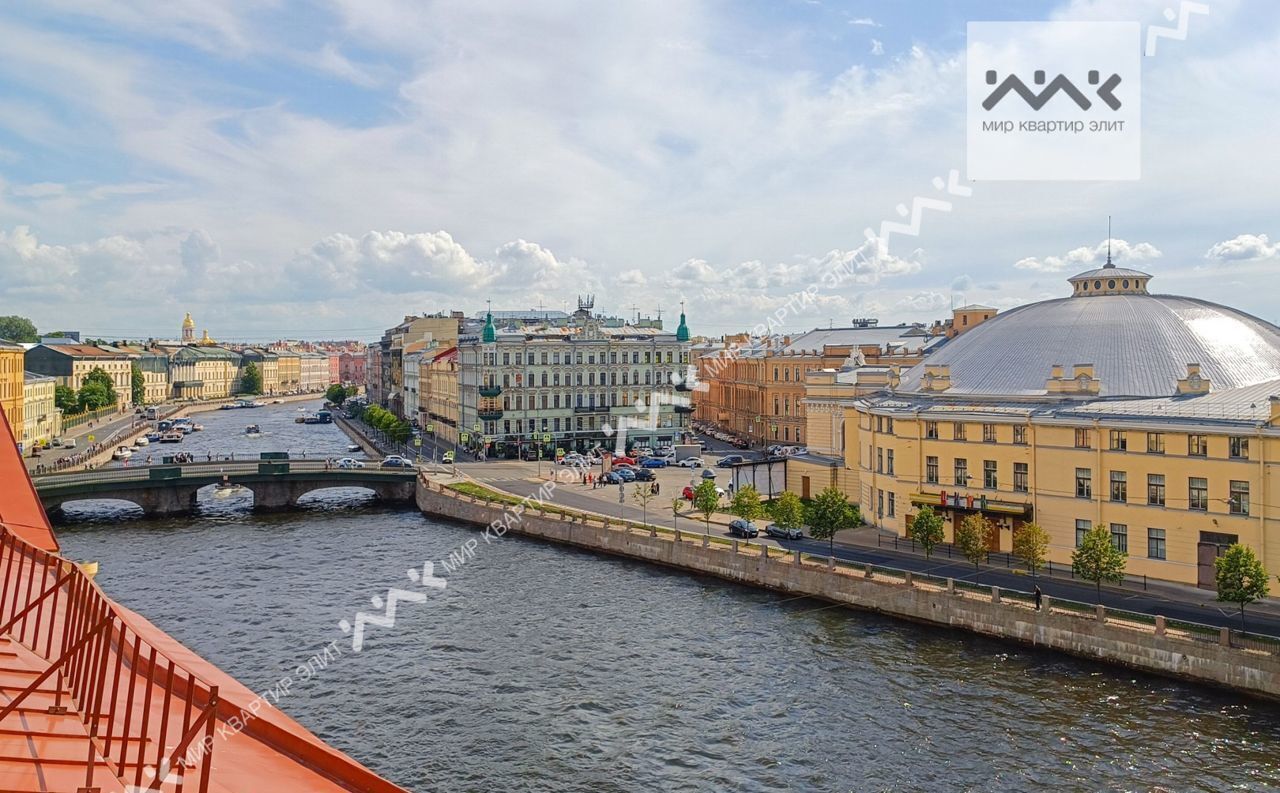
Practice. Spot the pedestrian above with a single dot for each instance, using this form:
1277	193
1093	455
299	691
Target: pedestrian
1038	596
657	488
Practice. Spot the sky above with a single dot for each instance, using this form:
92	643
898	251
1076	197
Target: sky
320	170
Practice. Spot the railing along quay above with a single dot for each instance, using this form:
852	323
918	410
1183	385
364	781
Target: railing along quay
144	713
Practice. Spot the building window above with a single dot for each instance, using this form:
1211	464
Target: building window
1084	483
988	433
1239	498
1082	439
1155	544
879	423
1082	528
1119	442
931	470
1020	435
879	460
1020	477
931	430
880	502
888	424
888	462
989	474
1155	490
1120	537
1119	486
962	472
1198	493
1239	448
1155	443
892	504
957	430
1198	445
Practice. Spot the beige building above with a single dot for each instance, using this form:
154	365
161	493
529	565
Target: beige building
1156	416
203	372
41	419
11	388
289	364
438	382
313	371
268	364
69	364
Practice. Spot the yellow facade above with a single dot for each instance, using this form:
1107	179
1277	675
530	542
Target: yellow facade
439	390
11	379
290	368
42	421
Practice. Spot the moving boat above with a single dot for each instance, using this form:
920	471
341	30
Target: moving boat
253	429
197	428
122	453
171	437
142	441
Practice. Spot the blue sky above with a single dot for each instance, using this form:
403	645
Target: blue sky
322	169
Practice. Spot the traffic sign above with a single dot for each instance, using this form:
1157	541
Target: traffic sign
417	441
466	436
546	437
431	428
91	439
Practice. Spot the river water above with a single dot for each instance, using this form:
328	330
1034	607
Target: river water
542	668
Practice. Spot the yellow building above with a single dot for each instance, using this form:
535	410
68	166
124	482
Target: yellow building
203	372
70	364
289	364
268	364
438	378
11	368
1154	415
42	421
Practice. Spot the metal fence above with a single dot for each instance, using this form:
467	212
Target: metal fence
142	711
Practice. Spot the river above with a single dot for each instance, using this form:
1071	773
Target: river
543	668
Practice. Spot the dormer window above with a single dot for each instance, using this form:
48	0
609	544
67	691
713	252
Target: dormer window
1111	284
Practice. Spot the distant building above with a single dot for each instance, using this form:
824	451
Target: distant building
313	371
268	364
438	406
290	365
11	394
69	364
203	372
42	421
351	367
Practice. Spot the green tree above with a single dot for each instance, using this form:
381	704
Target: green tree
336	393
1241	577
97	390
64	397
642	493
1031	545
251	379
677	504
973	537
746	503
18	329
706	500
1098	559
926	529
787	510
137	384
829	513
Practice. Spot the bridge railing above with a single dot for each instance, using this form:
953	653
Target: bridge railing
135	473
151	719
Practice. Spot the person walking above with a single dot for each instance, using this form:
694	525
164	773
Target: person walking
657	488
1038	595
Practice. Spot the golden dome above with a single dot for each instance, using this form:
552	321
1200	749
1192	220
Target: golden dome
188	322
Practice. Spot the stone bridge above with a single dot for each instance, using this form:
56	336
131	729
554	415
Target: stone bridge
163	490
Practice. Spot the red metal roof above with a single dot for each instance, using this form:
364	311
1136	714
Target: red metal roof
93	696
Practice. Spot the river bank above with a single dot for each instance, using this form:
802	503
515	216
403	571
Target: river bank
1124	639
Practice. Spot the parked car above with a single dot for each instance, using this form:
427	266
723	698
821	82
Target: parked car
707	473
743	528
448	457
626	474
69	443
778	532
729	460
350	462
612	478
690	462
396	461
573	458
622	459
653	462
643	475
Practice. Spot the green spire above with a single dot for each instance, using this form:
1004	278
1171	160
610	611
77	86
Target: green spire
682	332
490	334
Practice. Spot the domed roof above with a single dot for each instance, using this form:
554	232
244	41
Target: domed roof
188	322
1138	344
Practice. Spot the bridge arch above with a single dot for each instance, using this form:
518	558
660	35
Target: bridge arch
89	507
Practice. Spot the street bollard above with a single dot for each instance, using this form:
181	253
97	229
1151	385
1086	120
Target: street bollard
797	557
995	594
831	563
908	579
1159	625
677	532
951	586
1102	613
1045	604
1224	637
733	546
866	571
706	541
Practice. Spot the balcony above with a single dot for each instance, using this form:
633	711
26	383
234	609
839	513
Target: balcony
591	409
489	414
490	391
684	408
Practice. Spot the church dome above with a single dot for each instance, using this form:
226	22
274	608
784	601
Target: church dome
1112	336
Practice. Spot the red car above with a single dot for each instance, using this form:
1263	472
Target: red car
624	460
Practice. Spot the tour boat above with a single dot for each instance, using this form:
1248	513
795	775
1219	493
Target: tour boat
142	441
122	453
153	436
171	437
252	429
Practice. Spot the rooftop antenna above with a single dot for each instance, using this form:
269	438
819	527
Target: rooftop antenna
1108	264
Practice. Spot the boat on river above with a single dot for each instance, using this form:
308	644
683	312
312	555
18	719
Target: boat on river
141	441
171	437
122	453
253	430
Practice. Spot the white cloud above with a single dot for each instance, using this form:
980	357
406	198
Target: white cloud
877	47
923	303
632	277
1244	248
1086	257
865	21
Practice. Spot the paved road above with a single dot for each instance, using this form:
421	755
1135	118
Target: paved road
1203	609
